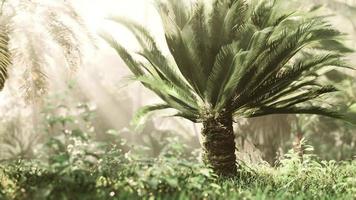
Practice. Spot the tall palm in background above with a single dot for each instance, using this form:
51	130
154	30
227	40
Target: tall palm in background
34	35
30	32
5	52
231	59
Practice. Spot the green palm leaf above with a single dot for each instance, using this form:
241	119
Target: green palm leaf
4	54
140	116
248	58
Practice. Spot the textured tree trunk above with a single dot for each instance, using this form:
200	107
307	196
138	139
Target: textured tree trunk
219	145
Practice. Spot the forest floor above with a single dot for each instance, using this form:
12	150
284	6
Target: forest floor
117	175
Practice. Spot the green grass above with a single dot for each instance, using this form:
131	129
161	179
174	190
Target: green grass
123	176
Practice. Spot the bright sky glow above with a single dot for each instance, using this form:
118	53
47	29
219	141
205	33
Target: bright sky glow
96	11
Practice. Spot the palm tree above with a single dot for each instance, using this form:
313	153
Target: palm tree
30	32
232	59
4	52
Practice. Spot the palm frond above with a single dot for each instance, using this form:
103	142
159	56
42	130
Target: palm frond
334	45
303	96
177	97
133	64
179	10
262	14
38	29
173	96
5	56
298	110
180	41
224	22
243	57
220	74
152	53
141	115
300	75
67	39
35	76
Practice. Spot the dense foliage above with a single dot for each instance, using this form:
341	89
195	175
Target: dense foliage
73	164
233	57
125	176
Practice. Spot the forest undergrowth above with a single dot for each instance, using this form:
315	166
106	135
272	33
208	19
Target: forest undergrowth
72	165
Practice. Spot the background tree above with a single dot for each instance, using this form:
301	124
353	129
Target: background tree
5	52
31	32
37	37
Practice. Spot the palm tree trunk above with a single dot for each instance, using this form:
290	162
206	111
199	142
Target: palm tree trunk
219	145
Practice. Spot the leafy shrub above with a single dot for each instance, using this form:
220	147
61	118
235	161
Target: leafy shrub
119	175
